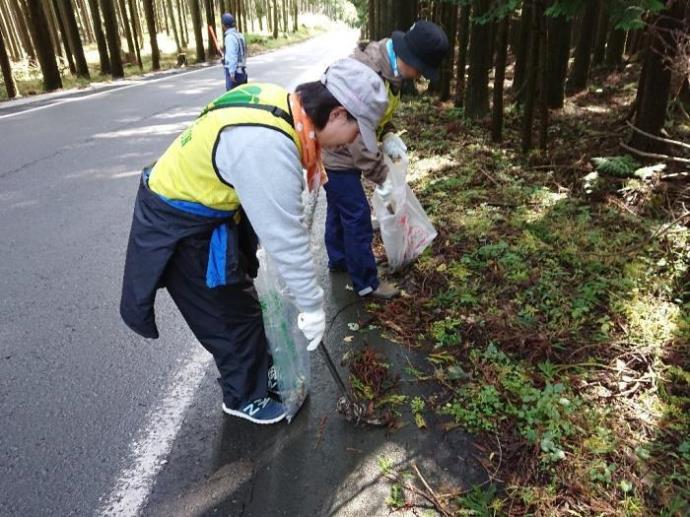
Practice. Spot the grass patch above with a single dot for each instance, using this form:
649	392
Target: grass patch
556	320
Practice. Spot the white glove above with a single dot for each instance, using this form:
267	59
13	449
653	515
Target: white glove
385	190
313	325
394	147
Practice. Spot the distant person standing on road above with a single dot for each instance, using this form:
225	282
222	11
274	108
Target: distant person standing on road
235	53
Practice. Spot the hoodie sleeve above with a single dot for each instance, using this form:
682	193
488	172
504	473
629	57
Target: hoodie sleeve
371	164
263	166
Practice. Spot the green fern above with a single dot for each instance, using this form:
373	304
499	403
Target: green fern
620	166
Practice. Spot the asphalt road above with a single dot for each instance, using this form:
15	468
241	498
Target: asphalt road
97	421
76	386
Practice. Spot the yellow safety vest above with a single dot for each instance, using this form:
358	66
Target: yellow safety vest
393	103
187	170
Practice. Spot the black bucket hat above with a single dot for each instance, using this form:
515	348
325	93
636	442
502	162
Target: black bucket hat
423	47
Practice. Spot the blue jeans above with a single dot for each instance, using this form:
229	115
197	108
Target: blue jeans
348	229
240	78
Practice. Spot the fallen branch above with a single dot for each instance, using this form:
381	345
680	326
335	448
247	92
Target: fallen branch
675	176
657	138
412	488
656	156
491	178
438	502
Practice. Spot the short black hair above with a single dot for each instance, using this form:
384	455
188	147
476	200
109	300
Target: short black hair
318	102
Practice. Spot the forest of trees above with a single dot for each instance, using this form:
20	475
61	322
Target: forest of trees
551	48
543	50
52	34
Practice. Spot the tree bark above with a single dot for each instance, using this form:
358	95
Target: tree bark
275	20
501	57
53	21
198	37
162	5
10	85
531	84
522	51
126	29
542	73
149	14
113	37
67	15
653	95
615	47
54	9
599	47
136	25
477	97
372	20
100	37
173	24
184	24
295	14
12	46
407	14
85	21
579	75
559	30
285	17
135	36
451	25
22	28
210	22
463	40
44	48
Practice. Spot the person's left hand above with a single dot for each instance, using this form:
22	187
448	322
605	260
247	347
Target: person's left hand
394	147
313	325
385	190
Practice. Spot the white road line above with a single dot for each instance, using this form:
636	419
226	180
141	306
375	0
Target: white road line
148	453
60	102
135	84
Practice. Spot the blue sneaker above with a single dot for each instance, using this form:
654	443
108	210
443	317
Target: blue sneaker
260	411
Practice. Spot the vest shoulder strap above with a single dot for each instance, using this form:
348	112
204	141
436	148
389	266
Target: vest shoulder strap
273	110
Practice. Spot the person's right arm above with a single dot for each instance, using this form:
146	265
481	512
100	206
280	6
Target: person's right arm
370	163
264	167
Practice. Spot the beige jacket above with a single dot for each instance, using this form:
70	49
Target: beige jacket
356	155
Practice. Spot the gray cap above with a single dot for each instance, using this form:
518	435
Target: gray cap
361	92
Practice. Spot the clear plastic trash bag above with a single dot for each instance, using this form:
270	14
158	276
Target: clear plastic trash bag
406	230
287	343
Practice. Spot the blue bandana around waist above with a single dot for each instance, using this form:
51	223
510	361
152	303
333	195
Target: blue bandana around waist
216	269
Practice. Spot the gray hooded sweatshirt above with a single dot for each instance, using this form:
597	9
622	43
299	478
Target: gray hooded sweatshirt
356	155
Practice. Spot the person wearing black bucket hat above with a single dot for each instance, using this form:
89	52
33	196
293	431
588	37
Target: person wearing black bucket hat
422	49
349	232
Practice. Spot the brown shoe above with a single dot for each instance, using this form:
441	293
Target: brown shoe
385	290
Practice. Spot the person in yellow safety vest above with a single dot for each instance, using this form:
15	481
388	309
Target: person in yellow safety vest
231	179
349	231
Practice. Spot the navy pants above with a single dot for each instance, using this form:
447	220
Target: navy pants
348	229
226	320
240	78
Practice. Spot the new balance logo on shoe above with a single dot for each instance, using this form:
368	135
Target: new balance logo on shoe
260	411
256	406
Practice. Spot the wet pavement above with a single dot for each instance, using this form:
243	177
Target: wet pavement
85	400
319	464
